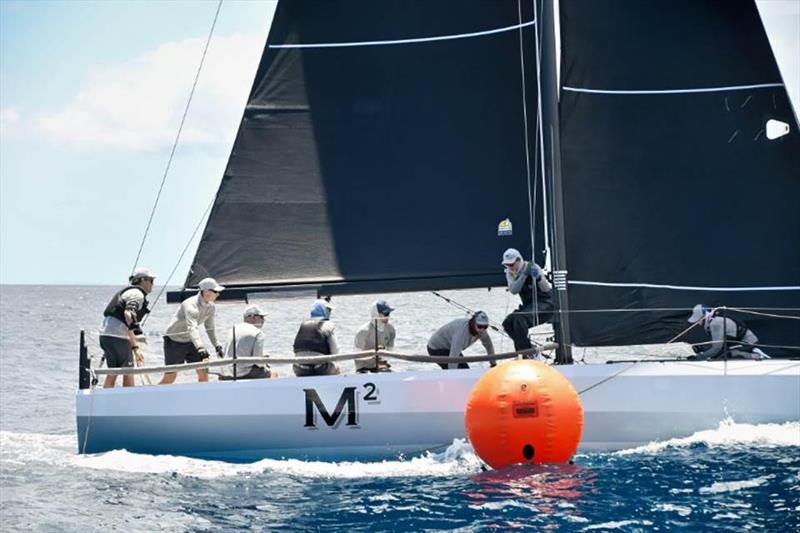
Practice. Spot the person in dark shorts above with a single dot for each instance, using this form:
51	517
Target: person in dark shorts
182	342
315	337
121	324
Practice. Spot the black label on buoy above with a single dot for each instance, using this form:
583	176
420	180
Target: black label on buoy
526	410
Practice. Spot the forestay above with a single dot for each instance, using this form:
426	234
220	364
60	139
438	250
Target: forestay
381	145
673	193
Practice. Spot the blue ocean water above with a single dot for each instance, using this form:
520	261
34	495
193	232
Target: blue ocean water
733	478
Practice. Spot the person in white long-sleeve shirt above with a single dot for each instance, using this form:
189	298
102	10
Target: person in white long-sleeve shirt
247	340
182	341
458	335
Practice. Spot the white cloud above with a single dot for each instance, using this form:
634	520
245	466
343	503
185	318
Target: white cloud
9	117
138	105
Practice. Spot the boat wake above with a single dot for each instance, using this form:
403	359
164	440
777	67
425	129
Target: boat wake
729	434
59	450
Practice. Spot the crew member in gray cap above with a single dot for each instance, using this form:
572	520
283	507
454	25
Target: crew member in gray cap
120	327
526	279
458	335
377	334
182	342
724	330
247	340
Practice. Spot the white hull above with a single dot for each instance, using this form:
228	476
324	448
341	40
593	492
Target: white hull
406	413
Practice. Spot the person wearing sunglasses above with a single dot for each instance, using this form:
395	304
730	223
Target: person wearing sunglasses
376	334
182	341
314	338
526	279
458	335
121	318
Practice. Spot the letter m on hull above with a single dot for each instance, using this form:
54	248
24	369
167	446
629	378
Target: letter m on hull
346	400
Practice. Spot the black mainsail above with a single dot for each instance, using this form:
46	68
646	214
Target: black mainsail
673	193
381	145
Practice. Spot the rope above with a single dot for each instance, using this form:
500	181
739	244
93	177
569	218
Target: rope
749	311
468	311
313	360
177	138
178	262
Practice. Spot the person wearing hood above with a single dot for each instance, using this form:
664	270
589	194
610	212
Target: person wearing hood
377	334
247	340
724	330
120	327
315	337
182	341
458	335
526	279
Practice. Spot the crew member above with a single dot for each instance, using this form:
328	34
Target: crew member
376	334
724	330
182	342
315	337
526	278
118	334
247	340
458	335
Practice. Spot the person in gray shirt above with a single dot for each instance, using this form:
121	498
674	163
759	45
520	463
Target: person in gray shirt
377	334
247	340
121	324
724	330
458	335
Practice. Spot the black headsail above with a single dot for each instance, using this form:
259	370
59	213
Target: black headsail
673	193
381	145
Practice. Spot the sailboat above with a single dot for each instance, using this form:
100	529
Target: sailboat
383	146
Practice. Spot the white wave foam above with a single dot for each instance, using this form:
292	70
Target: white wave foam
618	525
457	459
733	486
729	433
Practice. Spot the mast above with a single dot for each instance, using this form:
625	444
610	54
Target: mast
551	156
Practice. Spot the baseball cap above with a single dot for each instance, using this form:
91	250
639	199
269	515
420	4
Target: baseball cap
481	318
383	307
698	312
510	256
253	310
142	273
210	284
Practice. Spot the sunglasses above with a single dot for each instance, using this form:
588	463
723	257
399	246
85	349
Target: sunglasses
477	326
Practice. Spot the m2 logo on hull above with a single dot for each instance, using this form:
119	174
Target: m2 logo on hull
347	402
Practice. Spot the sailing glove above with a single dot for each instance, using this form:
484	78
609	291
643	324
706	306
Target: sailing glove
534	271
203	353
220	353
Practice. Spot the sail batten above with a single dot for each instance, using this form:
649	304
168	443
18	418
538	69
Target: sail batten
673	193
375	167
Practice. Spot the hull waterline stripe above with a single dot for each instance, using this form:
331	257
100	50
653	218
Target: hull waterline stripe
675	91
407	41
685	287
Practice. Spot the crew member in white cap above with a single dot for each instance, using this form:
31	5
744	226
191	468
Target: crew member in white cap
247	340
118	334
739	338
458	335
182	341
316	337
376	334
527	279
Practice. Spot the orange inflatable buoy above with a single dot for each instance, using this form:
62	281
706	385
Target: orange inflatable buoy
523	412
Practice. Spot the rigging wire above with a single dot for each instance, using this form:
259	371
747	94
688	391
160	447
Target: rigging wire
177	138
531	206
178	262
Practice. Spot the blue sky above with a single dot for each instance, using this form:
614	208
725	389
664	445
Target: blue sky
91	95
